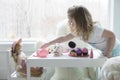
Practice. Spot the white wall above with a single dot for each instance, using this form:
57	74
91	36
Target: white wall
116	18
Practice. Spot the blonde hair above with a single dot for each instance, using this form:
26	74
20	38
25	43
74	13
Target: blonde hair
83	19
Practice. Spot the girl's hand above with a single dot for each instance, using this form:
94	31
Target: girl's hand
45	45
107	55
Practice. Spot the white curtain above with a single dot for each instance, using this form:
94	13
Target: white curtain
38	18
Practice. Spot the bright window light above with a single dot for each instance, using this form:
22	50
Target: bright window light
38	18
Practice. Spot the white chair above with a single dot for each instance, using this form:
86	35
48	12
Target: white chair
12	73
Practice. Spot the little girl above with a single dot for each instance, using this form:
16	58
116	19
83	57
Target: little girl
20	61
81	25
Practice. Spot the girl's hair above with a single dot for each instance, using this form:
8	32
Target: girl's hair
83	19
15	50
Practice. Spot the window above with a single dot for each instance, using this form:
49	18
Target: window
38	18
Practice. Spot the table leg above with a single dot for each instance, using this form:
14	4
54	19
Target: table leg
98	73
28	71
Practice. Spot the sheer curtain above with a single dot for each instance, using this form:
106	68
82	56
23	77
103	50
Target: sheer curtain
38	18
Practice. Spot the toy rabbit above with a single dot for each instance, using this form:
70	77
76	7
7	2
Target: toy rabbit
57	50
20	61
111	69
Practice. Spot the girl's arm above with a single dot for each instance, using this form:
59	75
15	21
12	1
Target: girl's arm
111	42
58	40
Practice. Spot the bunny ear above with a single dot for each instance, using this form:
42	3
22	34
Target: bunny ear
14	44
19	40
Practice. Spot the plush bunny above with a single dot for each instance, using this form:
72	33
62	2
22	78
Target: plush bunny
57	50
111	69
20	61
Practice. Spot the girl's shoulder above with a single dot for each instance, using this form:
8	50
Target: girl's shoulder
98	27
97	30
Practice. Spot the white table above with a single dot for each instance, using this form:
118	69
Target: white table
65	61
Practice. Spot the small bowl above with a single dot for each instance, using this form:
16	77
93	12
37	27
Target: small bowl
42	53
